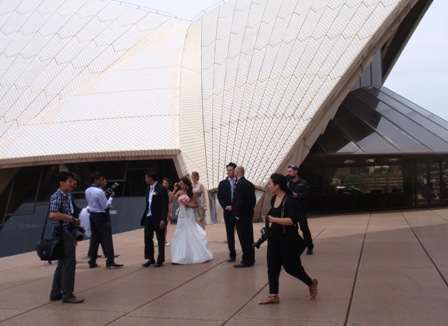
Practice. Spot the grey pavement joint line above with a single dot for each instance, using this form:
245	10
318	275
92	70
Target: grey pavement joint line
164	293
358	265
245	304
425	250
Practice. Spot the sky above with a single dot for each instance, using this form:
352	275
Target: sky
421	72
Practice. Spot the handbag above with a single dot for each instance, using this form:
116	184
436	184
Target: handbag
50	249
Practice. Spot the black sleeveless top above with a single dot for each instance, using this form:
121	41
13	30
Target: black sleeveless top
287	209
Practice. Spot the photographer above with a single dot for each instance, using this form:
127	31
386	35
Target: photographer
284	242
100	224
63	222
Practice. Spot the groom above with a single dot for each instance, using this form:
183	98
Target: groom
154	219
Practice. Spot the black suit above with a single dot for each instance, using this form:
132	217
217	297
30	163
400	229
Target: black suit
243	209
159	212
225	199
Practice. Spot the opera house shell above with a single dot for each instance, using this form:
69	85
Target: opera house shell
255	82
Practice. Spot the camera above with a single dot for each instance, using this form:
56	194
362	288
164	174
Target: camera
78	233
77	230
109	191
265	234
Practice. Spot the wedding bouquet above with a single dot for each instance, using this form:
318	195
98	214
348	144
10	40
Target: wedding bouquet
184	200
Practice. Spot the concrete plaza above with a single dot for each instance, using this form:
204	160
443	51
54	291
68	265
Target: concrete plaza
382	268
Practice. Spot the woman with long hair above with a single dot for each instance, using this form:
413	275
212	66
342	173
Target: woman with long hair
189	241
284	242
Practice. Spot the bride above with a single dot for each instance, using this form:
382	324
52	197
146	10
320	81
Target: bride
189	241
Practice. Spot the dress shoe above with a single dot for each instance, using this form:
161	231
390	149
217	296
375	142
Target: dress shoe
73	299
114	265
270	299
231	259
93	265
147	264
55	297
309	251
242	265
158	264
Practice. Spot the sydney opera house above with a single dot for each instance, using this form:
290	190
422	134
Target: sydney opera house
91	85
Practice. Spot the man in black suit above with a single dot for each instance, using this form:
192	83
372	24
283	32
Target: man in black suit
243	211
225	197
154	219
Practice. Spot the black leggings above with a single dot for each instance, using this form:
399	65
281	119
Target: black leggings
284	252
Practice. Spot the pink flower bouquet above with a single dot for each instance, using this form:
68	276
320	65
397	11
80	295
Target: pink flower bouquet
184	200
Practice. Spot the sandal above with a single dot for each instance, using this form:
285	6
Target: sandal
270	299
313	289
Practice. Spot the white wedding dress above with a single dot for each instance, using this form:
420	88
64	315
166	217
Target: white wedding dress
189	241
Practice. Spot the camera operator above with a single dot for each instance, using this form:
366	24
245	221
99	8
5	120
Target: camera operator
100	224
62	222
284	242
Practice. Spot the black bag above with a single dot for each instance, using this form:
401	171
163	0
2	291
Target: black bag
50	249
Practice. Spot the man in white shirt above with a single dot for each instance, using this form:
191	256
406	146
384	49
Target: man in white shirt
100	224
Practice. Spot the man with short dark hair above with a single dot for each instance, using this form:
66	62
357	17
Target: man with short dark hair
100	224
300	190
62	222
226	190
154	219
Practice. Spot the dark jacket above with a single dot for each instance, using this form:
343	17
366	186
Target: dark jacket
224	193
244	199
159	205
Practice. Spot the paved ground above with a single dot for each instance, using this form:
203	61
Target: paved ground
373	269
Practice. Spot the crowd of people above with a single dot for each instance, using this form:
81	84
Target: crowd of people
189	245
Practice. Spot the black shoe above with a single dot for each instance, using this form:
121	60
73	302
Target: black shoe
147	264
114	265
242	265
73	299
158	264
231	259
93	265
55	297
309	251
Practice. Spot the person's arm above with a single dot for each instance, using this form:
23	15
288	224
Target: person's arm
193	202
221	199
61	217
203	196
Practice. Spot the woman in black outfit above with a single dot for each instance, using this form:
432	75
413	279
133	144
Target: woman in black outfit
284	244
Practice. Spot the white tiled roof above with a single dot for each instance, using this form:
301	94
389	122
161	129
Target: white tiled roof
251	81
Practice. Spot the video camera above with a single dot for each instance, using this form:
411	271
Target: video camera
109	191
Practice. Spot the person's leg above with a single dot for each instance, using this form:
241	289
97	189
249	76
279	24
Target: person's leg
290	259
68	266
149	244
94	240
230	234
160	234
56	293
245	234
274	266
105	231
304	227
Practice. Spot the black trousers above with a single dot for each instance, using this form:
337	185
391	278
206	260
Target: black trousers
64	275
149	229
245	230
284	252
230	233
303	223
101	234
